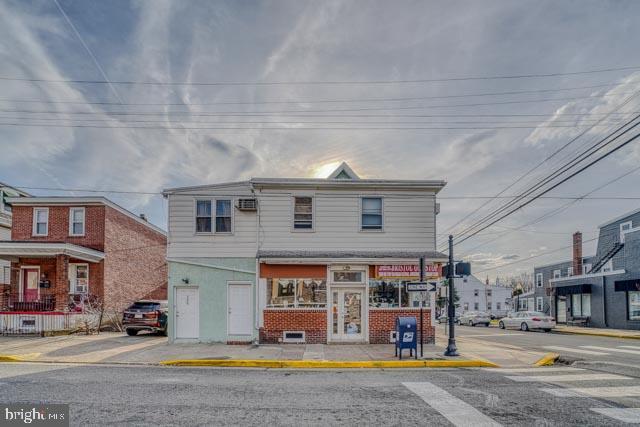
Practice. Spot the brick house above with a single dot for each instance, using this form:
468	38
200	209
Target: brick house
65	251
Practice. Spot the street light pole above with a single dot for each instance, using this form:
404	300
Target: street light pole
451	347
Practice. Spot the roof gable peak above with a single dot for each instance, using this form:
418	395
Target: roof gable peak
343	172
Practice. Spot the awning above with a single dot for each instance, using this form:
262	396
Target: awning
574	289
10	250
628	285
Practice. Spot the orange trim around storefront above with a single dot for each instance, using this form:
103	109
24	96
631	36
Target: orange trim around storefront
293	271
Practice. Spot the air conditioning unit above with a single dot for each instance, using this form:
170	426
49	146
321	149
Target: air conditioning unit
81	289
247	205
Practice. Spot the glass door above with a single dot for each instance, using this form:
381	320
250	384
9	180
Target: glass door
347	314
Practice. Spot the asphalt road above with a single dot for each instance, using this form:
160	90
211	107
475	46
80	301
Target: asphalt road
148	395
582	348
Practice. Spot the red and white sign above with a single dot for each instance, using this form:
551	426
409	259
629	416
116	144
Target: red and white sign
406	270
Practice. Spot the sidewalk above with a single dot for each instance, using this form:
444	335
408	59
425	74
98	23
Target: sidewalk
148	349
599	332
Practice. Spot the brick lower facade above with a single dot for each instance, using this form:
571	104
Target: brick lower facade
314	323
383	321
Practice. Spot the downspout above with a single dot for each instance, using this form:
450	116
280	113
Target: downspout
604	301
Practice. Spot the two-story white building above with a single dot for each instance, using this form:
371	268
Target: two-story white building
6	191
299	259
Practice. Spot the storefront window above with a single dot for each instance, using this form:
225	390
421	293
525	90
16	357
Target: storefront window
301	293
634	305
392	293
347	276
581	305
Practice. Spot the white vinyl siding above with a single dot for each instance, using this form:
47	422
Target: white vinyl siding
409	223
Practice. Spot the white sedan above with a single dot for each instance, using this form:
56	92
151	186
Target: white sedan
526	320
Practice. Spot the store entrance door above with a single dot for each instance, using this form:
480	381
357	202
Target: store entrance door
561	312
347	318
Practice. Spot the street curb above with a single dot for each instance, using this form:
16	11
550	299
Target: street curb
547	360
597	334
324	364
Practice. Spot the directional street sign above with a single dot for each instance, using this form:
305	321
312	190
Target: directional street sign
420	286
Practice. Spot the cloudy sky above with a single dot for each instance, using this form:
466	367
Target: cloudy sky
340	86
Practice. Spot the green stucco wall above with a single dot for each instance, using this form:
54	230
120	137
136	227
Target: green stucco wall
212	285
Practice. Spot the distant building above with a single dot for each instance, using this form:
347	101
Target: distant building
606	291
6	215
474	295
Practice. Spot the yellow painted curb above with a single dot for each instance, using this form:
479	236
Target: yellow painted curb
547	360
18	358
335	364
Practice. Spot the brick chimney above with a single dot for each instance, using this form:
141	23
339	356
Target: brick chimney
577	253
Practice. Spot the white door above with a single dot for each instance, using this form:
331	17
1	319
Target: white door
561	315
347	315
187	313
240	316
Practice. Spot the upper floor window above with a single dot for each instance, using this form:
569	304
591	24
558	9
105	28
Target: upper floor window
539	280
624	227
40	221
557	274
488	292
371	213
476	292
570	271
203	216
223	216
76	221
586	268
303	213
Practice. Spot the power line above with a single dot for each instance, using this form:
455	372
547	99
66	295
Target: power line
318	82
307	101
532	257
93	57
415	107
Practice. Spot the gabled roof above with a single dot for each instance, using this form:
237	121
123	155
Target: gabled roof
80	201
343	172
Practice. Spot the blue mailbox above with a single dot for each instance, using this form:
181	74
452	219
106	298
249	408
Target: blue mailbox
406	336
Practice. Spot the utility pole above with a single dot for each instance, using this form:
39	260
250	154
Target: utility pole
421	307
451	347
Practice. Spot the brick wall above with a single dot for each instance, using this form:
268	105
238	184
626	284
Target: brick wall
383	321
312	321
22	228
134	266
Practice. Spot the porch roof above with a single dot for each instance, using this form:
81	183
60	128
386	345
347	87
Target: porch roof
10	250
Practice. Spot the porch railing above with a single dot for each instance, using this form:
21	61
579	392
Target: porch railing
38	323
13	302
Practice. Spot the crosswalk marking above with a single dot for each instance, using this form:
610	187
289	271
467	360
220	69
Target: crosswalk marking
618	350
603	392
458	412
533	370
575	350
568	378
626	415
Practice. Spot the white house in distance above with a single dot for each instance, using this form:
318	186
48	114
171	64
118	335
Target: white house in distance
475	295
300	259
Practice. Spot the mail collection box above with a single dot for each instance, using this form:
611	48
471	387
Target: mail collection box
406	336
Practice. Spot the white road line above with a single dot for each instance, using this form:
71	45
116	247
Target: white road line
626	415
617	350
487	335
632	347
533	370
569	378
575	350
458	412
631	391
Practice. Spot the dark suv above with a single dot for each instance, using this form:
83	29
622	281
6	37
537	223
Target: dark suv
146	315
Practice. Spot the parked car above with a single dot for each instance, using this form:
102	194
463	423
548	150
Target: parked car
526	320
444	319
146	315
473	318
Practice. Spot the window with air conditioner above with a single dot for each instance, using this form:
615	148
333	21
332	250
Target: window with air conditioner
79	278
